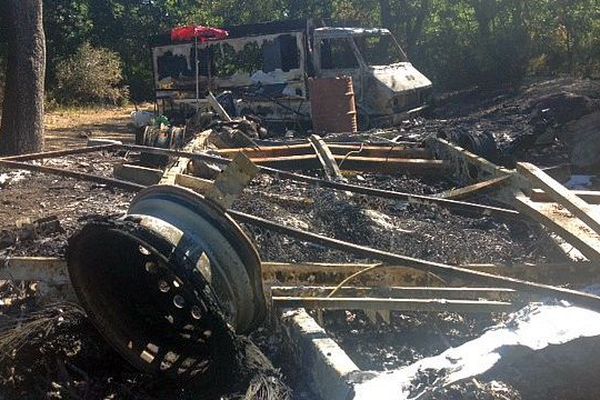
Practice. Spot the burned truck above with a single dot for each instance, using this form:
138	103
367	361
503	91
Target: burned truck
266	70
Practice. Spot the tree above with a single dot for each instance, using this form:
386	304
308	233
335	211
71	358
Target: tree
406	18
67	25
457	43
22	126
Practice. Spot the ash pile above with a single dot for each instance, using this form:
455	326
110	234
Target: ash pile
546	122
195	258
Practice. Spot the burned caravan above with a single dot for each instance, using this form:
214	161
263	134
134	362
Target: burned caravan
266	67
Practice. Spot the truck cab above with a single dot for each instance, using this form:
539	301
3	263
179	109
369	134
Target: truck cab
387	85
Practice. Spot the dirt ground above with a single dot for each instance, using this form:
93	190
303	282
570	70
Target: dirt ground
35	196
66	358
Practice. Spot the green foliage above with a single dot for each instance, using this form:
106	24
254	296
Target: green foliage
91	76
491	43
457	43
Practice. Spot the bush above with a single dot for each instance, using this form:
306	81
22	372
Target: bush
91	76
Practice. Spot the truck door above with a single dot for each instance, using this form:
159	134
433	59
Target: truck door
337	57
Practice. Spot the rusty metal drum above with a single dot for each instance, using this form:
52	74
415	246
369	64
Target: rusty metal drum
333	106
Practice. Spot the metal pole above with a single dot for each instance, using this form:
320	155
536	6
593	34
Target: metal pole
208	69
196	63
577	298
126	185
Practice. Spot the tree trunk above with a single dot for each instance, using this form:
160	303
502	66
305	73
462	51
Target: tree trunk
385	14
485	12
414	28
22	125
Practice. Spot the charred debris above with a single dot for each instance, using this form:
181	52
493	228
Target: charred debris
222	259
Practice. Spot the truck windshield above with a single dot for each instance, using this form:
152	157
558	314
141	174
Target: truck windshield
379	49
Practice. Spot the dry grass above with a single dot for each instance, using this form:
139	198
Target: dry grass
65	119
72	126
15	332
